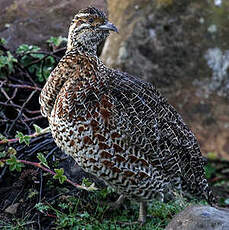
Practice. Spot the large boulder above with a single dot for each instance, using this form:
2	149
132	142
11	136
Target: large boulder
34	21
183	48
200	218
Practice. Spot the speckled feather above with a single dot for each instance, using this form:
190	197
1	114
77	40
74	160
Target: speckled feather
120	129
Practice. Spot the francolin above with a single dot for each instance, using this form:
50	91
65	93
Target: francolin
116	126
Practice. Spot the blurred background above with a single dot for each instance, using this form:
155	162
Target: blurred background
181	47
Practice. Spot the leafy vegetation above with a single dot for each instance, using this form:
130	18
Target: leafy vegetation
36	62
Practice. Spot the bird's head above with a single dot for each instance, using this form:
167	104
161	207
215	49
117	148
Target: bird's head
88	29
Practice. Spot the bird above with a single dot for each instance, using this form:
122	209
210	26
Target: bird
117	126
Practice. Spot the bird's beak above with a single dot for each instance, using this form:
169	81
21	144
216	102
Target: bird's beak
109	26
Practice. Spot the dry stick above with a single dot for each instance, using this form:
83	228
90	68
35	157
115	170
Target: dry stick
19	107
13	95
9	100
19	86
22	107
25	124
27	74
33	118
47	54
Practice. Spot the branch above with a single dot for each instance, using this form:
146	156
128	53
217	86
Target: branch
43	131
19	86
38	165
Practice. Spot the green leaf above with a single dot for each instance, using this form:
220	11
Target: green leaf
27	139
212	155
37	128
10	61
56	41
41	207
2	164
84	215
42	159
32	193
20	136
25	49
14	164
86	182
3	154
12	151
59	175
3	61
3	138
3	41
7	62
209	170
63	205
23	138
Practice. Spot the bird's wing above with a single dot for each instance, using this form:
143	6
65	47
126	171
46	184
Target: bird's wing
158	131
53	86
149	112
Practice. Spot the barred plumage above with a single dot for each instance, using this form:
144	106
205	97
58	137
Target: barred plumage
116	126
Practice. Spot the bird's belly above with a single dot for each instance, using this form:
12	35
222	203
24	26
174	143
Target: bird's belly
97	153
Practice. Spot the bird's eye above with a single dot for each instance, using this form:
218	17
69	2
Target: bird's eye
91	20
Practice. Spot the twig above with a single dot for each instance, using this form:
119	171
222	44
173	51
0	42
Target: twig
38	165
41	186
19	107
27	74
43	131
20	112
47	54
19	86
34	118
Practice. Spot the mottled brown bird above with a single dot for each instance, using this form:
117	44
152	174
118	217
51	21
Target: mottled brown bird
118	127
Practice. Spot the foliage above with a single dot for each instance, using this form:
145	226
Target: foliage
60	175
74	213
15	224
56	41
42	159
23	138
37	128
7	63
14	164
209	170
37	62
3	41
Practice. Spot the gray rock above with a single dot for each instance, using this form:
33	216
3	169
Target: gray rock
200	218
12	209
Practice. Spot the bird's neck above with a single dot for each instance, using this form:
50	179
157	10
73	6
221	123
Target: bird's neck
83	50
82	45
